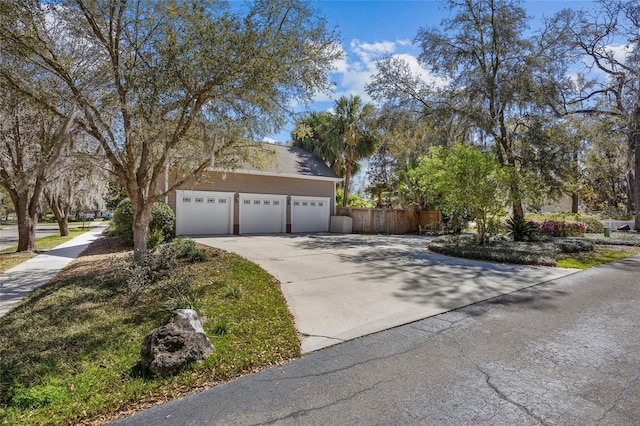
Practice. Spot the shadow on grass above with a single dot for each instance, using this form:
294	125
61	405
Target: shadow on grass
77	317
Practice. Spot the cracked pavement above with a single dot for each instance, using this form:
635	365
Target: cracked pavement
563	352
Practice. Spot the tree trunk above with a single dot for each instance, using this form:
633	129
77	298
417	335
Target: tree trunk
518	211
26	226
481	224
141	219
62	217
63	226
636	181
634	145
347	183
574	203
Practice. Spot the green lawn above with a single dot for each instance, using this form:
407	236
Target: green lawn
599	256
68	354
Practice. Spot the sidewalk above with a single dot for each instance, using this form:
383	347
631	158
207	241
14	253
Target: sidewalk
19	281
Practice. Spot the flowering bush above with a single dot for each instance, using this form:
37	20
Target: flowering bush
560	228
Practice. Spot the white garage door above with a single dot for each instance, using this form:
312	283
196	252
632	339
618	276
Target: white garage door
263	213
204	212
310	214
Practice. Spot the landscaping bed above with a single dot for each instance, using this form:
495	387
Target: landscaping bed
574	252
68	353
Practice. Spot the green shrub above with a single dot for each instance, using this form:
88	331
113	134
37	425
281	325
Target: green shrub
188	250
154	239
182	294
593	224
123	221
560	228
162	219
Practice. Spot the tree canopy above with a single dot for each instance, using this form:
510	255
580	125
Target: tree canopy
490	75
172	84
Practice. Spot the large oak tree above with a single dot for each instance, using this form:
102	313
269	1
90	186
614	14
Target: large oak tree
609	37
172	84
492	73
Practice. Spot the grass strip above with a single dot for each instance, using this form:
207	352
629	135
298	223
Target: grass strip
599	256
9	258
68	354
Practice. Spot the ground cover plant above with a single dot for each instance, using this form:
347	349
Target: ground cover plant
10	258
69	352
582	252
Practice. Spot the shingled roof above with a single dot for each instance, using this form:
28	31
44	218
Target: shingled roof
289	161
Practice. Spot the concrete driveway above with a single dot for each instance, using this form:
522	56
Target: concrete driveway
340	287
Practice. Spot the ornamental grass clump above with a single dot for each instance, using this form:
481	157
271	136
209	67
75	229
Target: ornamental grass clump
521	229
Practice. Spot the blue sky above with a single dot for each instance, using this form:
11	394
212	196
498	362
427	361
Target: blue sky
370	29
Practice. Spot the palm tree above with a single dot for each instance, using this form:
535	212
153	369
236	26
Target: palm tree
312	134
340	139
353	136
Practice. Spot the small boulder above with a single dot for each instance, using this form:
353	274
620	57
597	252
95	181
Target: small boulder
168	349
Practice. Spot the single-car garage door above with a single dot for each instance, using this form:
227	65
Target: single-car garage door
204	212
310	214
263	213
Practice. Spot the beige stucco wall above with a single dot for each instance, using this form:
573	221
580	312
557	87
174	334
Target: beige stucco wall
259	184
562	205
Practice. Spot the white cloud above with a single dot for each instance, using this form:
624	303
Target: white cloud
417	69
620	52
352	73
405	42
270	140
368	52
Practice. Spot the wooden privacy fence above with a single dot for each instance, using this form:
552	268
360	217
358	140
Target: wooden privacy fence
389	221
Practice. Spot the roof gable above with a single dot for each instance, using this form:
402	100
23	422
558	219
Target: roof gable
288	161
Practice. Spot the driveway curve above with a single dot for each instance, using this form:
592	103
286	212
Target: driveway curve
340	287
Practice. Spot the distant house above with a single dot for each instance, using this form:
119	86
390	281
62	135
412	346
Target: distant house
293	192
561	205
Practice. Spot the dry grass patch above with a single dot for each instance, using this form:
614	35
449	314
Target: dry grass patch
9	260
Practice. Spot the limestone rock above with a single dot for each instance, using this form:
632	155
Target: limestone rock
168	349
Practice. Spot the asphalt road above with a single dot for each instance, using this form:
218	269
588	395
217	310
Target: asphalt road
9	234
563	352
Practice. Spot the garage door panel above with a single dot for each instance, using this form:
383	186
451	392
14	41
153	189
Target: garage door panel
310	214
263	213
204	213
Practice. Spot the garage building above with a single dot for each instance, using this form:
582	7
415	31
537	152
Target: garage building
290	192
